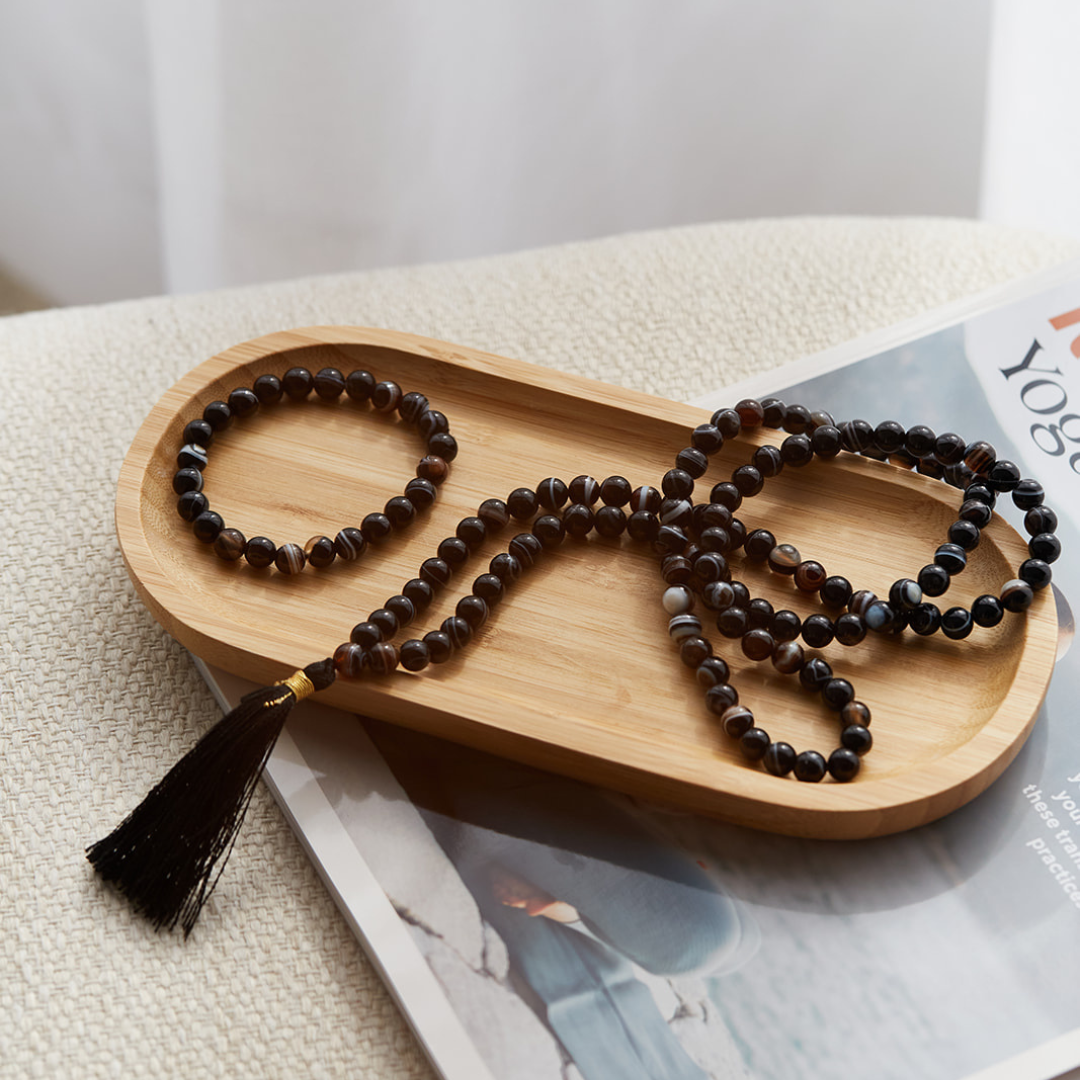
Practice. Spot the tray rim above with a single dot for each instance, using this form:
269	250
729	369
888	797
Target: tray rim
799	810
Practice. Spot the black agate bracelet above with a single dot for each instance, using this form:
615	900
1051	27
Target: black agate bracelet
351	541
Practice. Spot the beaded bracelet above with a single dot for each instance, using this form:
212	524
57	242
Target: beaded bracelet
166	865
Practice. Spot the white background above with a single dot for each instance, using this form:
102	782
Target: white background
152	145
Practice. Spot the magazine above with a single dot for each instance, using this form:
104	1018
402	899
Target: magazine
534	926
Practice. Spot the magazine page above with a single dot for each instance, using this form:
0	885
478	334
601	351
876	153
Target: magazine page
550	929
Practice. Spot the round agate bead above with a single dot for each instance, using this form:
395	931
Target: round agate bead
784	559
754	744
779	759
747	480
712	671
843	764
290	559
229	545
810	766
736	720
350	660
259	552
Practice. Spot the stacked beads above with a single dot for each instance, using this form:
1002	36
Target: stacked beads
297	384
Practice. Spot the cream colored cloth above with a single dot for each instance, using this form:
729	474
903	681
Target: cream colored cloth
97	701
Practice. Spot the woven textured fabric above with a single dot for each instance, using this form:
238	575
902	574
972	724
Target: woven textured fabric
97	701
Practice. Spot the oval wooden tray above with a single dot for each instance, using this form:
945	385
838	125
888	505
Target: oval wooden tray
575	671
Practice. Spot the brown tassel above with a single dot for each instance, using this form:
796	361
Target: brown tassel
162	856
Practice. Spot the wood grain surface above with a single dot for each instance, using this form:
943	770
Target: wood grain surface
575	672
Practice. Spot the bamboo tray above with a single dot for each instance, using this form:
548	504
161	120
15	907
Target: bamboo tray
575	672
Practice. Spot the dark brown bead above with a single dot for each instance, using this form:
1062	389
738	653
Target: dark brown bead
522	503
386	396
785	559
383	658
788	657
810	576
759	544
471	531
419	592
444	445
187	479
767	460
751	413
431	422
350	660
754	744
400	511
436	572
457	631
615	491
267	389
855	712
218	415
329	384
505	567
320	551
414	655
758	645
243	402
297	383
979	457
693	461
526	548
748	480
207	526
290	558
643	525
376	528
549	530
736	720
229	545
349	544
676	570
192	456
610	521
260	551
645	498
584	489
453	551
473	609
359	384
720	697
386	621
694	650
366	634
440	648
495	514
421	493
402	608
412	406
552	494
712	671
198	432
432	468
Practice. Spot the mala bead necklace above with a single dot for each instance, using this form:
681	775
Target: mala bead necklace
167	855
